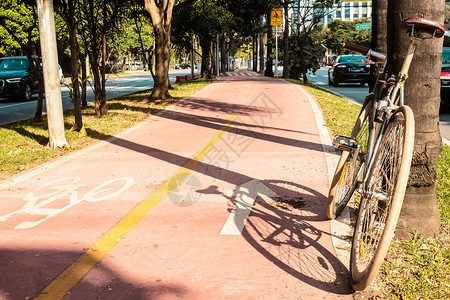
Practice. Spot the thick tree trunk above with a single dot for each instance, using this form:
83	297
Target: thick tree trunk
205	43
379	33
261	52
162	56
161	15
379	25
419	212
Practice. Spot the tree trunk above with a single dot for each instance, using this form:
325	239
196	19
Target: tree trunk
261	52
205	43
103	107
223	55
286	41
419	212
161	86
83	80
302	58
379	25
161	16
55	115
269	62
74	70
40	101
379	33
212	68
255	53
67	13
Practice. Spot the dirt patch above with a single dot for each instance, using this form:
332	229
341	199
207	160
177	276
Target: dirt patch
289	203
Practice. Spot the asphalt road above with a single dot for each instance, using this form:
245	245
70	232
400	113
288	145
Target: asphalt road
12	110
357	93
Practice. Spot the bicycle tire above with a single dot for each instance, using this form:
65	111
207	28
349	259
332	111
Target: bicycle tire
340	191
379	211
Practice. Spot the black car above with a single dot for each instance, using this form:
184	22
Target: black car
349	68
16	79
445	76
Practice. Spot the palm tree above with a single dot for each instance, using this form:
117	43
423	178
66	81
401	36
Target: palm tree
419	212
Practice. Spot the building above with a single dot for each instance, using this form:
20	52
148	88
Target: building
344	11
348	11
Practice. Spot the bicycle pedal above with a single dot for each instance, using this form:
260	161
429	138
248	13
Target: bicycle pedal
345	143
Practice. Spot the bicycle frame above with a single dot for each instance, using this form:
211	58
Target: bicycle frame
384	105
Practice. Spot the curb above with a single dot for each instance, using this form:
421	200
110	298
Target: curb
340	228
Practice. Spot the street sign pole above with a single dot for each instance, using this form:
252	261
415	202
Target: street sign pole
276	19
276	50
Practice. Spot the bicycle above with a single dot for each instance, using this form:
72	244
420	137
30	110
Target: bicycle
376	159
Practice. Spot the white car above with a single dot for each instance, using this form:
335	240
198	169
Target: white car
61	75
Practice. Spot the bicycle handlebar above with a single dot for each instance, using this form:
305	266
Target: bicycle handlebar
356	48
364	50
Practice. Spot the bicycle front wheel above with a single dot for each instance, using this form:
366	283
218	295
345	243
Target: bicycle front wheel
344	180
382	198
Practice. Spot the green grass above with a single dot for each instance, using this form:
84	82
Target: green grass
418	268
443	184
23	144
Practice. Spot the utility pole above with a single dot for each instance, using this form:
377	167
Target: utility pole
52	86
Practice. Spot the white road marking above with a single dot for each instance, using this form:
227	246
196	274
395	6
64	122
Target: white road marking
67	188
245	196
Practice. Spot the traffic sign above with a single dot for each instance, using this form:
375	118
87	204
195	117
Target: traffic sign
363	26
275	16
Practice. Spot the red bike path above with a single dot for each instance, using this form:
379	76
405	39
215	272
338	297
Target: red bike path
221	196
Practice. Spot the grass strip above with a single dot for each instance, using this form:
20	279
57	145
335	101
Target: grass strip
23	144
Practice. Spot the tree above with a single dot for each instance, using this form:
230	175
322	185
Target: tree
55	116
310	12
313	52
161	15
419	212
66	9
19	20
204	19
97	20
339	31
379	33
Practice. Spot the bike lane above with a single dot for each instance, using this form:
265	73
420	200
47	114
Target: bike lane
247	222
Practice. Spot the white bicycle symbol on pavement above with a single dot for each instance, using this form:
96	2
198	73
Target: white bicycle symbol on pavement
58	189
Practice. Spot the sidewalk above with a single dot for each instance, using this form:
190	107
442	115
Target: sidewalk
222	196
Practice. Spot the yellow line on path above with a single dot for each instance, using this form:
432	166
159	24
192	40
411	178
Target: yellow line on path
62	284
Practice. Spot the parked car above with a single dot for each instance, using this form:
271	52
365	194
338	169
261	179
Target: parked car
16	79
349	68
445	76
184	66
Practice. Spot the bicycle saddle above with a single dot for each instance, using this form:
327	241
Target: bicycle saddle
424	26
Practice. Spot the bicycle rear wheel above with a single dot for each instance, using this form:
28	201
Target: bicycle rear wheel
383	197
344	180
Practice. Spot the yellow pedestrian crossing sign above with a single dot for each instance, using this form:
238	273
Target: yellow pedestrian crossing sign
275	16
